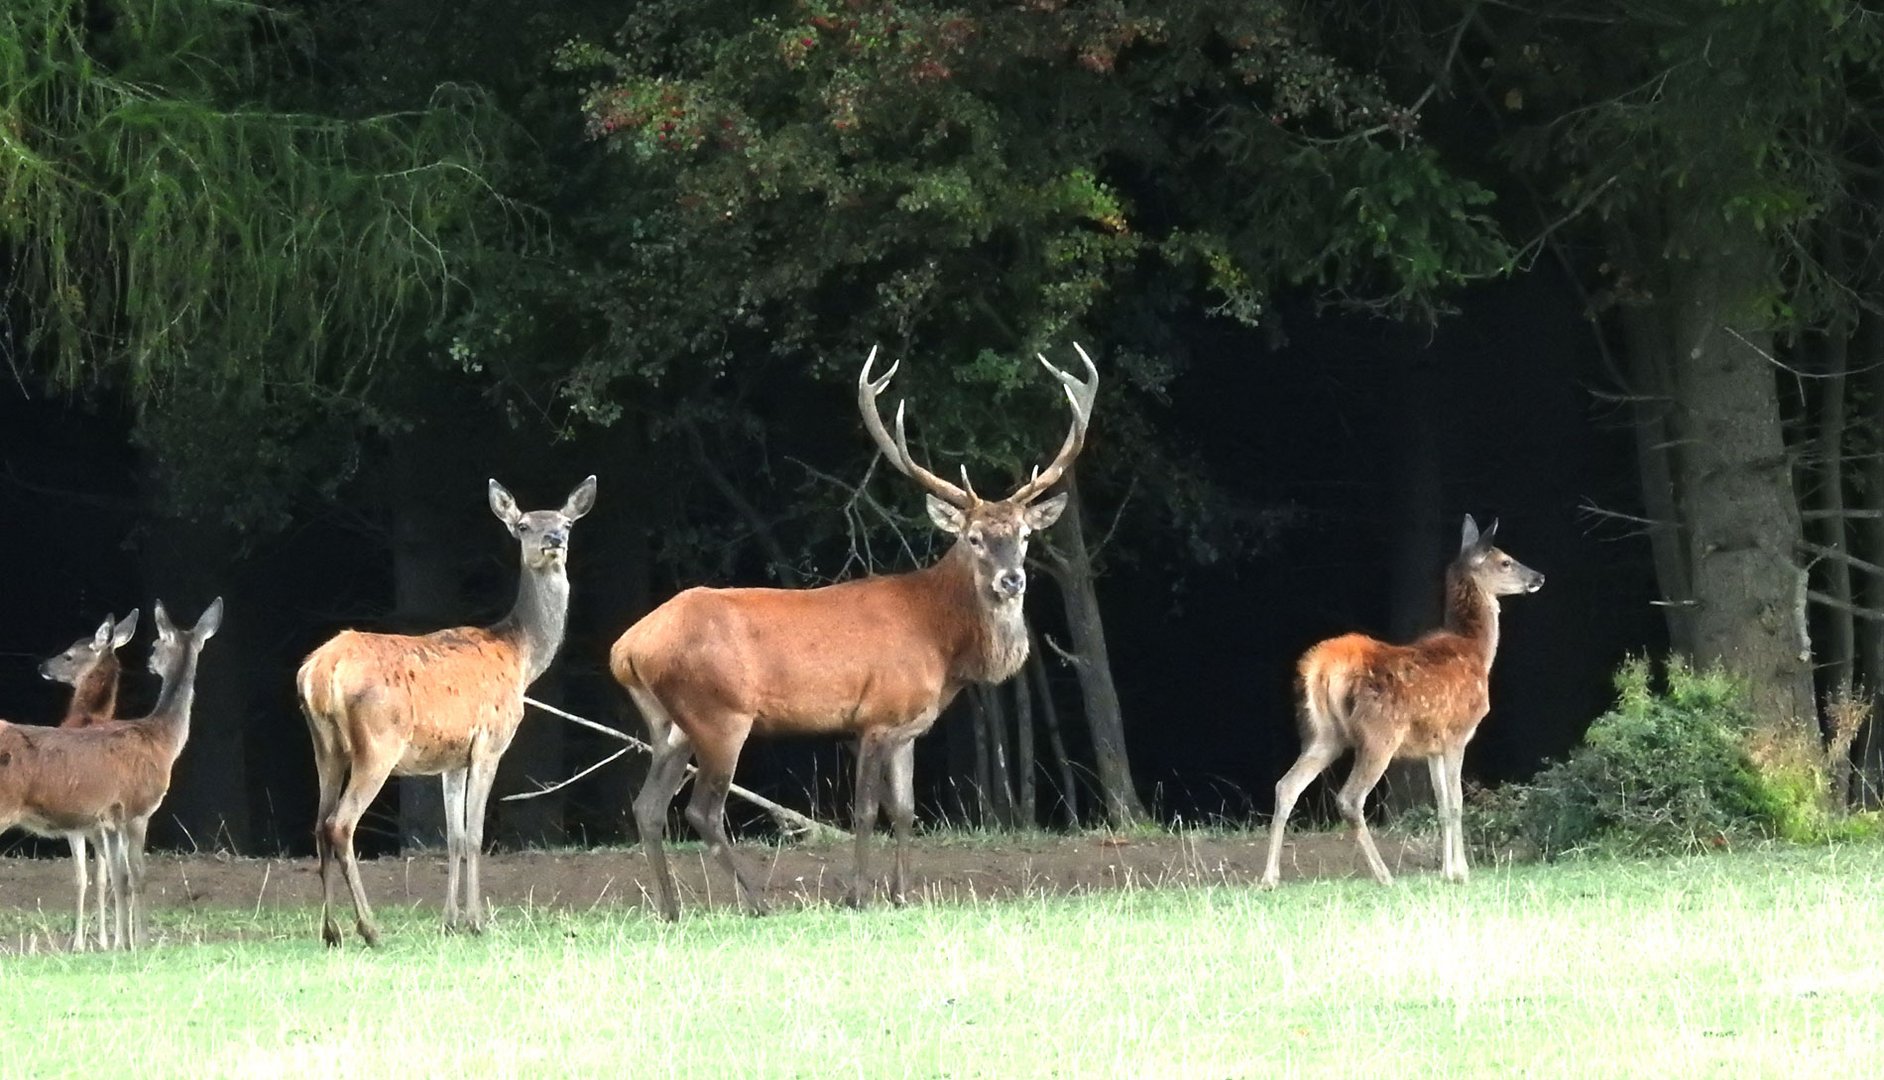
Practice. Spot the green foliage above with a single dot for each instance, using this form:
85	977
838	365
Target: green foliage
173	235
1669	768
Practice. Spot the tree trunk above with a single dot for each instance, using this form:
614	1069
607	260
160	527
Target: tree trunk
1735	481
1074	571
1056	743
1420	550
984	755
1841	636
1028	809
1867	535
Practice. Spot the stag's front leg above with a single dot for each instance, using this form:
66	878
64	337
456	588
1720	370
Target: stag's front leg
1455	814
863	816
901	769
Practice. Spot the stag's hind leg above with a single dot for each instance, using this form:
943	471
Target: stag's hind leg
706	811
1317	755
666	772
900	770
872	771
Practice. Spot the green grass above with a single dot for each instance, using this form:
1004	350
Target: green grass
1753	964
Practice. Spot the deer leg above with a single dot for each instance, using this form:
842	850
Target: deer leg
121	883
101	855
1442	805
1316	757
1370	763
871	773
706	812
900	771
1454	815
368	775
131	838
666	773
80	861
477	798
331	768
455	782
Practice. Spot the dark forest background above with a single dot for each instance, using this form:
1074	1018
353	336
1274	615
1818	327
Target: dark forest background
283	289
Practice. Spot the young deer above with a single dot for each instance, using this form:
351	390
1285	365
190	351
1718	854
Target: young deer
1404	701
875	659
445	703
108	776
90	667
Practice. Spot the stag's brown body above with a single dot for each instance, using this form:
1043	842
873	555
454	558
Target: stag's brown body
1423	700
837	660
876	659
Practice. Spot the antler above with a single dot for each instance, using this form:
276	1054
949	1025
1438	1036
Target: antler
898	451
1080	395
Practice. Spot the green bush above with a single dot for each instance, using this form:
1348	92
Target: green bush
1667	769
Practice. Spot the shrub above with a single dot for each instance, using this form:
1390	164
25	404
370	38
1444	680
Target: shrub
1669	768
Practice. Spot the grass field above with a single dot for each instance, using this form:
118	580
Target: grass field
1752	964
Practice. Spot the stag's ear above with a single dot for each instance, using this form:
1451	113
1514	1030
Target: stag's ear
125	629
211	621
946	517
504	506
1469	539
581	500
1045	512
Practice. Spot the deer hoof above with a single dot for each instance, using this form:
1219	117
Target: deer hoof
330	933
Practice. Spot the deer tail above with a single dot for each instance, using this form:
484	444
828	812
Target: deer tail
1321	694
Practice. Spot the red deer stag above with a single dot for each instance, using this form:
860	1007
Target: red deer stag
1386	701
876	658
90	667
108	776
440	704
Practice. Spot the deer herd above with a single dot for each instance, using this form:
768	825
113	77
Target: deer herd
876	659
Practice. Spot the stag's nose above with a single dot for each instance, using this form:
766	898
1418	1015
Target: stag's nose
1011	583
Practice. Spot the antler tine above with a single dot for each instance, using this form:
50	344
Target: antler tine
897	450
1080	394
969	485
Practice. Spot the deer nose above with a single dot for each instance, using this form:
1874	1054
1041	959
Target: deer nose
1537	581
1011	582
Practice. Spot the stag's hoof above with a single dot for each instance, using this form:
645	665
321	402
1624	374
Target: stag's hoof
330	933
369	934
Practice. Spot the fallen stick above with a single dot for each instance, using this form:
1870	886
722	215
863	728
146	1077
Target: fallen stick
790	821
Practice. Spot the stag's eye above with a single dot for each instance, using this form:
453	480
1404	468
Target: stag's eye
974	541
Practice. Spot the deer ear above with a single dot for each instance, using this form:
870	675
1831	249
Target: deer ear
947	518
1046	512
164	627
504	506
125	629
210	622
102	635
1491	531
1469	538
581	500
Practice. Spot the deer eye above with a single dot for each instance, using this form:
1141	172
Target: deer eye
974	540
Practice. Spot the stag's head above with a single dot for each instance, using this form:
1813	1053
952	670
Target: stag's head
543	535
85	654
172	641
1494	571
994	531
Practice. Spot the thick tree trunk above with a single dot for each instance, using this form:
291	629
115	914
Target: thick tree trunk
1840	646
1056	742
187	564
1420	549
1867	536
1735	482
1104	715
1027	809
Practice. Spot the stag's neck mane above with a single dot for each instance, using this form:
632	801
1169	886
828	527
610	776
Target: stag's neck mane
537	620
1471	612
988	638
95	697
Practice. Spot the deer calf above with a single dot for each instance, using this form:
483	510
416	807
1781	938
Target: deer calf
1423	700
90	667
110	776
441	704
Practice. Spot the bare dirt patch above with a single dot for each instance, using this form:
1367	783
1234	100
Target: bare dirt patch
944	868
